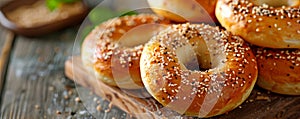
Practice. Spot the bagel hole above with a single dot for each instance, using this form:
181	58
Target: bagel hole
276	3
139	35
195	56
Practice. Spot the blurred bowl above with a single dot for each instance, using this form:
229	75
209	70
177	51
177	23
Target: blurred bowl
42	28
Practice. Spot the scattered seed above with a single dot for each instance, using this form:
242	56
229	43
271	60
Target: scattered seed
66	97
95	99
258	93
58	112
51	88
251	100
99	108
70	92
263	98
37	107
77	99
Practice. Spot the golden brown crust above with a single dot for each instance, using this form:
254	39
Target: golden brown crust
262	25
279	70
194	92
113	55
185	10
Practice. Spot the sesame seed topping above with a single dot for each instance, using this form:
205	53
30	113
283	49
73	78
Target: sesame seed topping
281	17
279	29
257	30
109	52
291	56
221	45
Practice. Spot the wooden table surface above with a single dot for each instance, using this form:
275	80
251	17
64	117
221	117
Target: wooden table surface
33	84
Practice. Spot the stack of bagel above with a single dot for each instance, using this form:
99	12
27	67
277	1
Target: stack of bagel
192	66
274	28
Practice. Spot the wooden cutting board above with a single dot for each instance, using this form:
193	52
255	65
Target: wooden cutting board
260	104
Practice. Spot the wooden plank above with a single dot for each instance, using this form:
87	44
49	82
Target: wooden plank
6	42
260	104
75	70
36	86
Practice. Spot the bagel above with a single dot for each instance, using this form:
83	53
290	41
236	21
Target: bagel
112	50
279	70
198	70
185	10
265	23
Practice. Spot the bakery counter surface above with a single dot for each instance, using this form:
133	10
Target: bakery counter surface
33	85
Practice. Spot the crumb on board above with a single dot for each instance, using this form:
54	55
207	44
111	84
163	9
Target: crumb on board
66	97
37	106
258	93
95	99
99	108
70	92
58	112
50	88
77	99
266	98
251	100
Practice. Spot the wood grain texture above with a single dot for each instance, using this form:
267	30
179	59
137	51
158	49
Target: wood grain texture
6	42
121	98
260	104
36	86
